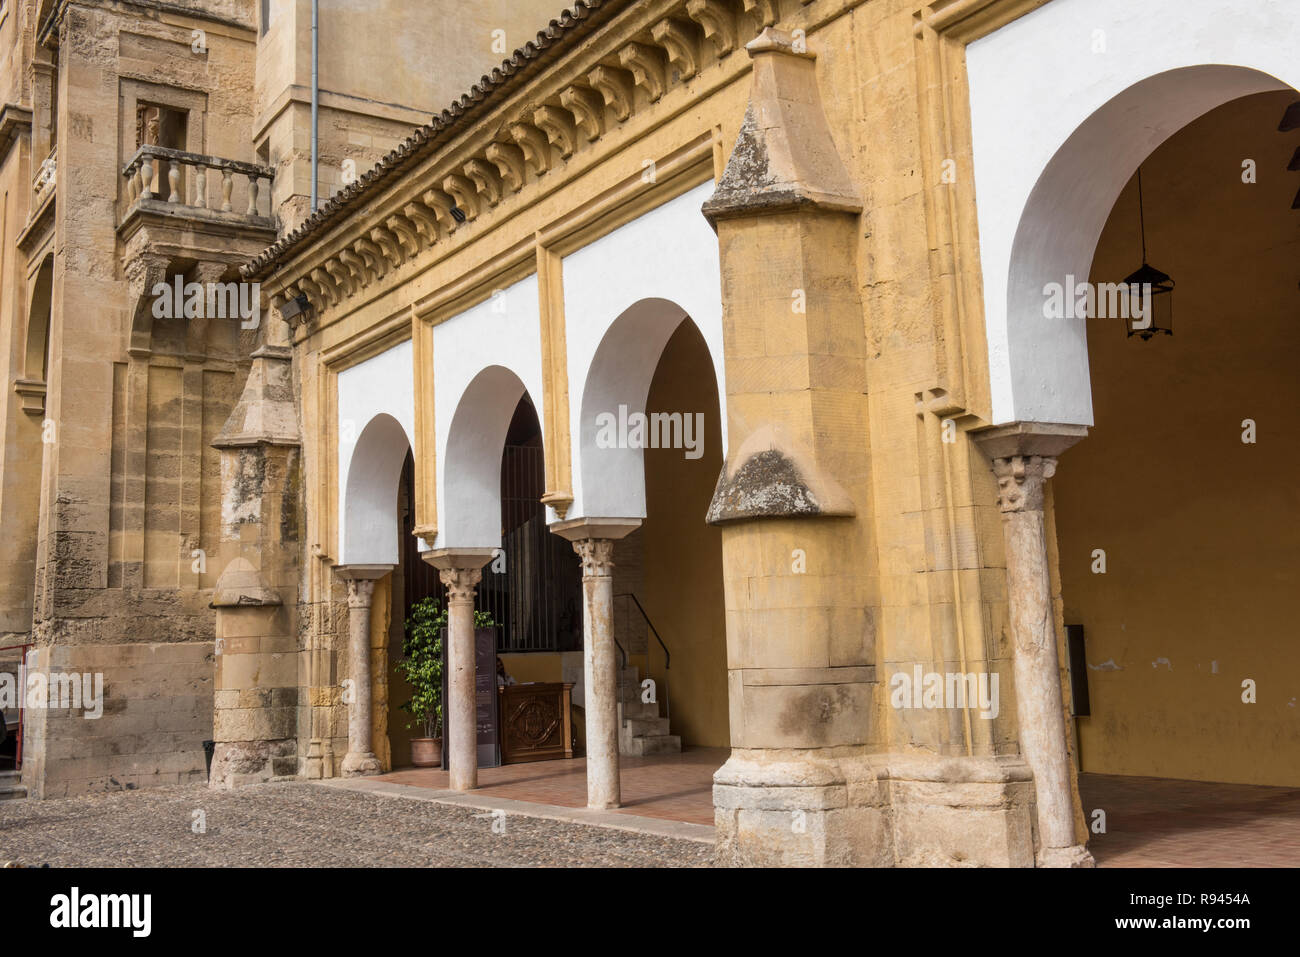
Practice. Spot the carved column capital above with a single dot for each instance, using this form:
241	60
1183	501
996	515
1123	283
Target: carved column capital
460	582
597	556
360	591
1020	481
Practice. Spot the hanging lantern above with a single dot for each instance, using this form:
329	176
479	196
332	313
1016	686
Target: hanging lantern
1151	292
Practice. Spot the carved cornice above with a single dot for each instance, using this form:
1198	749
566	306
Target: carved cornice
14	121
552	120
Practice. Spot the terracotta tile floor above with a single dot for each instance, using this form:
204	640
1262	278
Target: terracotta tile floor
1158	822
1150	822
672	787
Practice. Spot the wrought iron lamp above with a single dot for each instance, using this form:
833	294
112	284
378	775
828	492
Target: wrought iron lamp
1151	291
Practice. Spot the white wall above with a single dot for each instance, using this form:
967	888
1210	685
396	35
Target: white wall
382	385
483	360
669	255
1056	137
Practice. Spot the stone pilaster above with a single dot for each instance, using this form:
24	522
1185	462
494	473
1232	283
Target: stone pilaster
256	682
800	563
593	540
1024	458
360	759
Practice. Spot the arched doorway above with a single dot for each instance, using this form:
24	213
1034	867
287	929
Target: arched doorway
1176	519
1167	624
651	448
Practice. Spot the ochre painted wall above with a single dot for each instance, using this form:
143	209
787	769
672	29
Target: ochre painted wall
682	554
532	667
1199	529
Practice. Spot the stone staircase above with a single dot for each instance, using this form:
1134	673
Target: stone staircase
640	729
10	788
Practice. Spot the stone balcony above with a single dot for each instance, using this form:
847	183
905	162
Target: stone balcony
190	206
187	214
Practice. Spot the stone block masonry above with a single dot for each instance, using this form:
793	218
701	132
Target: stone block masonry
157	712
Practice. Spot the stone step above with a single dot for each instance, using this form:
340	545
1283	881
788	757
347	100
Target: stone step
654	744
637	709
644	727
10	788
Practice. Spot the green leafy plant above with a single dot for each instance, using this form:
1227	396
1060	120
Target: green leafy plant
421	662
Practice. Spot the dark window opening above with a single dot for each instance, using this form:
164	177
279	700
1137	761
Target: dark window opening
533	589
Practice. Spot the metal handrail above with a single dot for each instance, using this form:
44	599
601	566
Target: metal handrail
653	629
667	655
22	695
622	668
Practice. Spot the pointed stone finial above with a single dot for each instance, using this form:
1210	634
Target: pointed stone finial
785	157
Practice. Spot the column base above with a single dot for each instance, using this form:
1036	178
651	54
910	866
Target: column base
841	808
1075	856
237	763
313	768
786	808
360	765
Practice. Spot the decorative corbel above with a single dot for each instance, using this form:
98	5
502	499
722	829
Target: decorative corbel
537	151
715	17
405	232
679	40
357	266
588	109
509	161
441	204
766	12
373	256
487	181
615	86
465	194
647	66
143	273
325	283
342	278
425	221
559	128
392	250
315	295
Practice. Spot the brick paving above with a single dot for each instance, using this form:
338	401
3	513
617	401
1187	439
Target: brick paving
299	824
1159	822
672	787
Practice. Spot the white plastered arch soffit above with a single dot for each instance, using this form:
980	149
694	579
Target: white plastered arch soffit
484	360
624	296
1066	102
376	409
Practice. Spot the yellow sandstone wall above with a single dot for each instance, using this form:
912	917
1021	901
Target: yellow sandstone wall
682	554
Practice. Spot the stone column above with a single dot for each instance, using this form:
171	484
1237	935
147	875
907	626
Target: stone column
460	571
1024	457
360	759
593	540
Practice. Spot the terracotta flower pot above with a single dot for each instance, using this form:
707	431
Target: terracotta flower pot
426	752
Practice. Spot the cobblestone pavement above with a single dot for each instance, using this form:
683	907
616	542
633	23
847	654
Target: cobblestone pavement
298	824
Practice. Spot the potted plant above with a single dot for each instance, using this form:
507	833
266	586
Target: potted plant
421	666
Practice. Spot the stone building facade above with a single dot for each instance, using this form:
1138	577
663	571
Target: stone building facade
149	143
826	227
